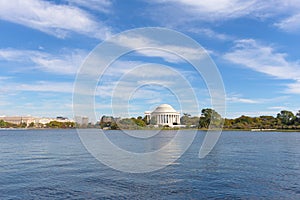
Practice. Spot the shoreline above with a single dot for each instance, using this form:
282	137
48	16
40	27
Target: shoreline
162	129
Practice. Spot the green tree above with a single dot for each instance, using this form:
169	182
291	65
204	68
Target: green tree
228	123
31	125
188	120
244	119
23	125
56	124
127	123
139	121
3	124
114	126
185	119
267	122
210	117
286	117
145	120
297	119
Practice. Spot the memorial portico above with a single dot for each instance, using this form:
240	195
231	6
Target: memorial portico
164	115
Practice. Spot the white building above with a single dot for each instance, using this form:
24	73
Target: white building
45	121
19	119
164	115
35	120
82	121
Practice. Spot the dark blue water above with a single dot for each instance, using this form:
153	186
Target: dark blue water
53	164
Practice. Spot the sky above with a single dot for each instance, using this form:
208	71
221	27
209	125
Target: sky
44	44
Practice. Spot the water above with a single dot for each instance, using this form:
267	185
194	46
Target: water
53	164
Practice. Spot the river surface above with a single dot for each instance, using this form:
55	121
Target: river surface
53	164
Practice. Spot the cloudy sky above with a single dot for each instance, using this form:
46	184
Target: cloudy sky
254	44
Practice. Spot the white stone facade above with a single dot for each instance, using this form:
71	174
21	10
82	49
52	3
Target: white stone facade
19	119
164	115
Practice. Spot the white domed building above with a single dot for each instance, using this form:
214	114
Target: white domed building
164	115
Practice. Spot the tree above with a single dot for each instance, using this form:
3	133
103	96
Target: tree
31	125
286	117
297	119
3	124
210	117
228	123
188	120
145	120
153	121
267	122
185	119
23	125
139	121
114	126
131	123
244	122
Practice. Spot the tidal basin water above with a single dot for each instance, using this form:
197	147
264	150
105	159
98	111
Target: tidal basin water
53	164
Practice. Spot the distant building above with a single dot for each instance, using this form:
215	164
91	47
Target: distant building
82	121
85	121
37	121
44	121
62	118
20	119
164	115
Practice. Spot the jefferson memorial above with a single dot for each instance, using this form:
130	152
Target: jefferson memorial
164	115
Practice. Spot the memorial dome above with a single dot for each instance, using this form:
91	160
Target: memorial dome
164	108
164	115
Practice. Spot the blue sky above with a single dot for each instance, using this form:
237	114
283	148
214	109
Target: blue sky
255	45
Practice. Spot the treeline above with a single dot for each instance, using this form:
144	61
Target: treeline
52	124
284	120
56	124
210	118
4	124
126	123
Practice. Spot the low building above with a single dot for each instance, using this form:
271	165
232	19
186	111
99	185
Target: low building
82	121
20	119
164	115
45	121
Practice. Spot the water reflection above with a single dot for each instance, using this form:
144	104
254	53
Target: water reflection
167	146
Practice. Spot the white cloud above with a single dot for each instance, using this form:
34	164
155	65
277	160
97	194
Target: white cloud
12	54
4	78
290	24
216	9
147	84
57	20
290	10
119	67
265	59
159	48
278	108
42	107
285	13
98	5
293	88
209	10
210	33
65	63
46	86
46	101
38	86
235	99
